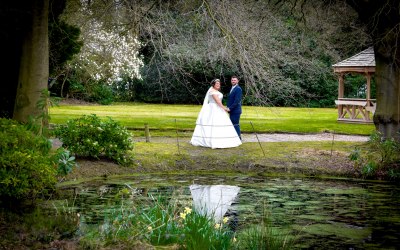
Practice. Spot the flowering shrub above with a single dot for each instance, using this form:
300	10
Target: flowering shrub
26	170
107	54
88	136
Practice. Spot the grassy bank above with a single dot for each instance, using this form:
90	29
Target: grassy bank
311	158
316	159
164	120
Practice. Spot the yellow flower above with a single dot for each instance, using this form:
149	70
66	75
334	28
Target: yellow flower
149	228
225	220
182	215
234	239
188	210
217	226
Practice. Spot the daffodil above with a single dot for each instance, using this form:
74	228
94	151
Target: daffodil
225	220
149	228
182	215
188	210
217	226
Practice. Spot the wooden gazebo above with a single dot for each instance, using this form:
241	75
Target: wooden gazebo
356	110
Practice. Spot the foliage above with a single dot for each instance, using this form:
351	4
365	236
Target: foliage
25	166
126	89
88	136
39	123
355	86
379	158
107	54
183	46
100	93
165	222
288	64
64	44
161	223
264	236
78	84
64	161
202	232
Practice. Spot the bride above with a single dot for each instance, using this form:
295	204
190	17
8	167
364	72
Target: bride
213	128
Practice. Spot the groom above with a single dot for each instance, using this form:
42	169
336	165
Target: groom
235	104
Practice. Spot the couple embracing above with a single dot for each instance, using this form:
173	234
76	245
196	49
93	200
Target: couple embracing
214	128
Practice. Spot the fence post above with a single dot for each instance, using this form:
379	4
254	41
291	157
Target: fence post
259	143
177	137
146	132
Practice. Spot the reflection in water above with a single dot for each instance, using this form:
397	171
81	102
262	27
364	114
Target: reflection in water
323	213
213	200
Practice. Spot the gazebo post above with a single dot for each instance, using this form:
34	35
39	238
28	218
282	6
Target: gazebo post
369	104
340	93
368	87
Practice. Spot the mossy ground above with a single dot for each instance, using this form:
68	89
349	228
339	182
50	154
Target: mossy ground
320	158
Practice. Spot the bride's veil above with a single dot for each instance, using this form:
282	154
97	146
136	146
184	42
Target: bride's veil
204	107
206	97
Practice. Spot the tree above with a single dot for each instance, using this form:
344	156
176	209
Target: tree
32	34
14	17
382	19
187	43
382	22
34	64
237	41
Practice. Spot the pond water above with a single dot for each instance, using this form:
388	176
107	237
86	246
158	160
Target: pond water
322	213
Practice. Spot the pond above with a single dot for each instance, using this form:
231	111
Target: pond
321	213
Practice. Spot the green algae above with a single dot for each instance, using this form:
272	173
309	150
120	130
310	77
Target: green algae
314	217
345	191
322	212
340	230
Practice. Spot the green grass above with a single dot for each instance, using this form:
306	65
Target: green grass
166	118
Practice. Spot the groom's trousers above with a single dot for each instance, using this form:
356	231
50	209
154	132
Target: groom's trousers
235	121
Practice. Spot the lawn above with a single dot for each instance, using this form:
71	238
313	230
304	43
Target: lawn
165	119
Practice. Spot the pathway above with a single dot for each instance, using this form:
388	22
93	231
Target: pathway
275	137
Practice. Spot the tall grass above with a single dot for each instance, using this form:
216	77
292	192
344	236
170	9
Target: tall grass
164	119
159	222
265	236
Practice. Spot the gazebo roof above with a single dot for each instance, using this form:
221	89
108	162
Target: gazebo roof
361	62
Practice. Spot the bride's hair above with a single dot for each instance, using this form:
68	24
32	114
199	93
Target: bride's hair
213	82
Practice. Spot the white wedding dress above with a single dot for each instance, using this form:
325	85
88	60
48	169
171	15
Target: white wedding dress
213	200
213	128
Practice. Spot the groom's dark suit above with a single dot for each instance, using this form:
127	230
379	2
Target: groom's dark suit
235	107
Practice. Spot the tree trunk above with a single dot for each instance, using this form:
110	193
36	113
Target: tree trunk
34	66
383	22
387	75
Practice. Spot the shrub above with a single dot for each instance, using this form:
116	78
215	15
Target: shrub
25	166
64	161
88	136
102	94
379	158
